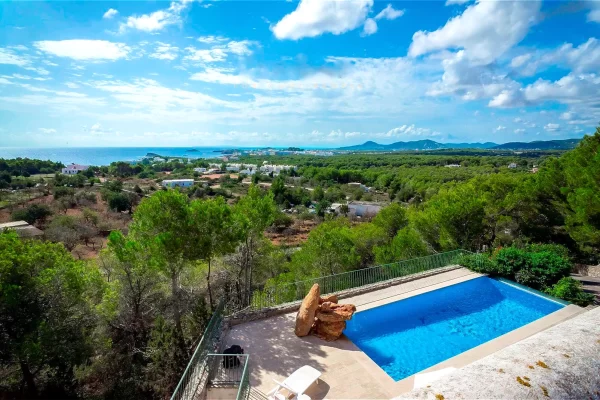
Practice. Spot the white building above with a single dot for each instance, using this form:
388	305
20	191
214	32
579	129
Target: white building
275	169
512	165
74	169
171	183
200	170
452	166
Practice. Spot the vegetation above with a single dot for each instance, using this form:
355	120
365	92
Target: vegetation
544	268
124	324
27	167
32	214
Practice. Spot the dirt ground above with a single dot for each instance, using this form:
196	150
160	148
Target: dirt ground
294	235
109	219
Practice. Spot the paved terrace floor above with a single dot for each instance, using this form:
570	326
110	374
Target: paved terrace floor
275	352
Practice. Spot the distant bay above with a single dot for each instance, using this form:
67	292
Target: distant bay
106	155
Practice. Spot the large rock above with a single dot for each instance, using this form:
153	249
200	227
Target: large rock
306	314
329	330
332	298
330	312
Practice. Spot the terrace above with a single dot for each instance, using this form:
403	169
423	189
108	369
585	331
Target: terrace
272	352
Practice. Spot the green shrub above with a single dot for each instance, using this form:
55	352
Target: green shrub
119	202
549	268
536	266
32	214
480	263
282	221
62	191
571	290
511	260
557	249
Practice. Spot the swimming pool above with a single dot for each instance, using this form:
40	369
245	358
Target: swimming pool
410	335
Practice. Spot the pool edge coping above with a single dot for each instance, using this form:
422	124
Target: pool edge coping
405	385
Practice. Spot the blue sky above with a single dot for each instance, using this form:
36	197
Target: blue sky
311	73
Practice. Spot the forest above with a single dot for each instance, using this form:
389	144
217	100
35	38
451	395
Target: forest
123	325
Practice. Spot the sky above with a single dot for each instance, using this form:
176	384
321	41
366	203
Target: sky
316	73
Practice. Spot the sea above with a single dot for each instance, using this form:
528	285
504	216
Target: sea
105	155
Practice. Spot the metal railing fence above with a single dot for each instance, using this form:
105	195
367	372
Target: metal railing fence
192	380
226	370
244	389
291	292
207	369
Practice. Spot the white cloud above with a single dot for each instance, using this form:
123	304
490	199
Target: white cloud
72	85
110	13
506	99
567	116
389	13
148	94
572	88
157	20
85	50
211	39
47	130
518	61
164	51
552	127
517	120
594	14
205	55
486	30
452	2
220	52
410	131
241	48
583	58
470	82
370	27
519	130
316	17
9	57
499	128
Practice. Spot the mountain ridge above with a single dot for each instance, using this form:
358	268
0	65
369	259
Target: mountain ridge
428	144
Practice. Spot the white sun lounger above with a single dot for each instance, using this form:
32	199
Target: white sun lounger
297	383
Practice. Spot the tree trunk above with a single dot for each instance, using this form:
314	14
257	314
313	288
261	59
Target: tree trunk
250	263
246	268
210	298
177	311
29	381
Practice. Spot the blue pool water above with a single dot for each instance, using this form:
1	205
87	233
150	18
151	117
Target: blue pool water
411	335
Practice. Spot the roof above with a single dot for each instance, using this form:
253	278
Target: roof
22	228
13	224
178	180
76	166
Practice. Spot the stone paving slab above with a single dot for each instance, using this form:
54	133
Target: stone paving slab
562	362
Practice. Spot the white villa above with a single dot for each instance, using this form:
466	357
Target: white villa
171	183
276	169
73	169
200	170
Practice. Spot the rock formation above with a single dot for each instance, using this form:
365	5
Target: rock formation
306	314
331	320
323	316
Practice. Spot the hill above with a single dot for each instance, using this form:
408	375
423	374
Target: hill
433	145
566	144
416	145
